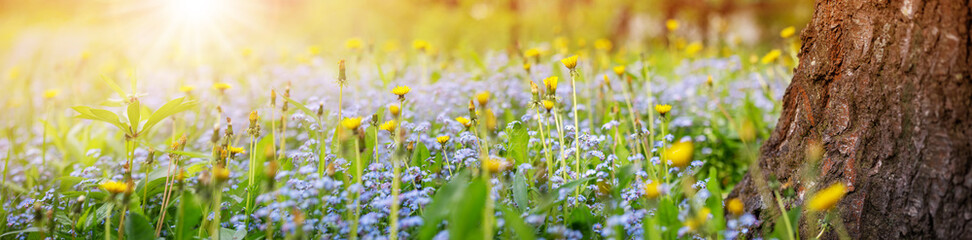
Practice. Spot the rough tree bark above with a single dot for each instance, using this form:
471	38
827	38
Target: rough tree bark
885	86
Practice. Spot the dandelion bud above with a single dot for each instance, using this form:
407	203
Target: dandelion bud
410	146
534	88
472	108
320	110
342	75
607	81
526	67
273	98
253	118
215	137
708	81
286	95
151	157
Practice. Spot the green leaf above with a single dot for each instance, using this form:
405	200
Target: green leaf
26	230
230	234
100	115
442	203
715	201
553	197
301	106
519	141
134	114
467	216
172	107
137	227
515	222
667	216
114	86
420	155
520	196
191	216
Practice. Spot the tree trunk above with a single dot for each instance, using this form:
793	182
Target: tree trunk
884	86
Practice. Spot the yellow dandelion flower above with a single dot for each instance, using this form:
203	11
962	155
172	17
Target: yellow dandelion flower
314	50
394	109
547	104
671	24
619	70
246	52
187	88
532	53
495	165
771	56
221	86
603	44
464	121
551	83
389	126
570	62
735	206
354	44
236	150
442	139
421	45
51	93
827	198
693	48
788	32
222	174
652	190
482	98
401	91
114	187
680	154
663	108
527	66
351	123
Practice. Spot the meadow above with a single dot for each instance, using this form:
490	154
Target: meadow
561	138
